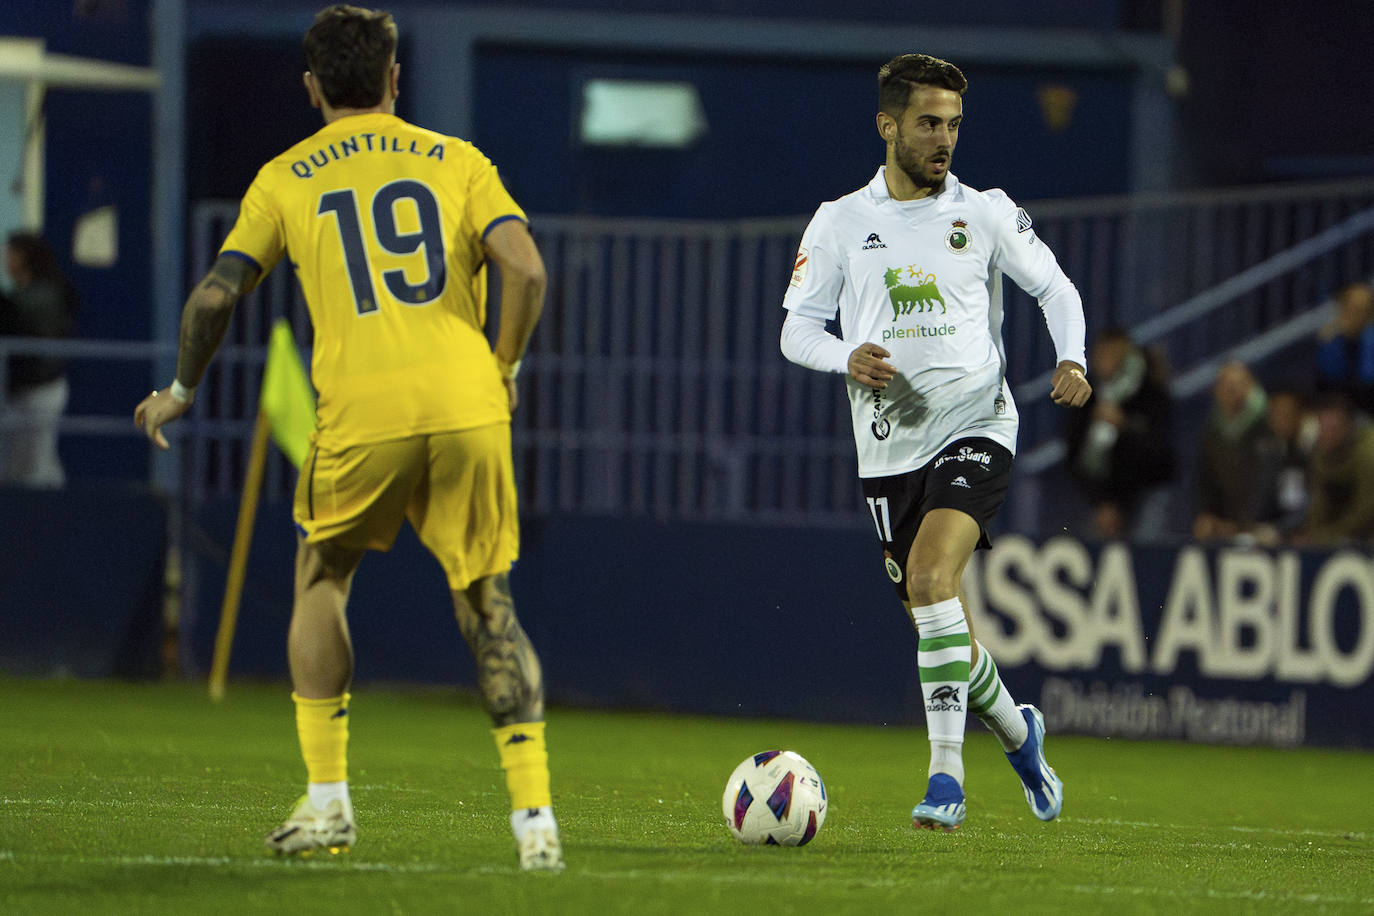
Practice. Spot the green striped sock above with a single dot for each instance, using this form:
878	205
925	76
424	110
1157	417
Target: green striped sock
991	702
942	656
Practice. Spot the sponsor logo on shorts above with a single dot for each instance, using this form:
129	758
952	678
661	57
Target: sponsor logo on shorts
960	482
966	454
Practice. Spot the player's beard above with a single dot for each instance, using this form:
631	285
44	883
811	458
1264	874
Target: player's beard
914	166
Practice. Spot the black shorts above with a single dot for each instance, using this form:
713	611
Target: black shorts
970	475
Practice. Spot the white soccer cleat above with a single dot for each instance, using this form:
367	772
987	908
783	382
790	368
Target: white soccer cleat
536	839
309	830
541	850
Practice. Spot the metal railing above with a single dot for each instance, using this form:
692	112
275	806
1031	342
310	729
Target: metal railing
654	386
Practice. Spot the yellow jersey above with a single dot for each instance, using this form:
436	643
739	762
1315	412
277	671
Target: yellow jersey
383	223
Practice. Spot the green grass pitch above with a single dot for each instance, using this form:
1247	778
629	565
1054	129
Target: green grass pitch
149	799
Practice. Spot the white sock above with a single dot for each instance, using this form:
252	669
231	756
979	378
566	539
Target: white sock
948	758
525	819
322	793
990	701
942	657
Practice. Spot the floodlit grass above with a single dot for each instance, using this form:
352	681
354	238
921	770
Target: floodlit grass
128	798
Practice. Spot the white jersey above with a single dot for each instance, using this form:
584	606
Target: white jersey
921	278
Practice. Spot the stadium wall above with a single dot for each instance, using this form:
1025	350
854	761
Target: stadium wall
1230	645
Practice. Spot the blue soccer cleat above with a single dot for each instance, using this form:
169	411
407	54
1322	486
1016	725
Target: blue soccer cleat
1044	788
943	806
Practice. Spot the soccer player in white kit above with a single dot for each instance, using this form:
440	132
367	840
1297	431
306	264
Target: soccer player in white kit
912	264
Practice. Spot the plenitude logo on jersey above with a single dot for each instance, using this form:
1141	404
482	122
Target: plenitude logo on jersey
911	290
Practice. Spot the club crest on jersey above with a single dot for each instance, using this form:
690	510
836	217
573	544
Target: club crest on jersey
873	242
958	239
911	289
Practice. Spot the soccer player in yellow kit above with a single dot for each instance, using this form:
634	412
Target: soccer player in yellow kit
388	227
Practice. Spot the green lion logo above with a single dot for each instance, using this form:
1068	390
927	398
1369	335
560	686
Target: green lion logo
919	295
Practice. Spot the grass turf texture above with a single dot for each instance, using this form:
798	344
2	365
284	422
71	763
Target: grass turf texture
127	798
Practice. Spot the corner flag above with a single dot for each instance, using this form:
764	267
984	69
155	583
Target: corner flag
287	398
286	412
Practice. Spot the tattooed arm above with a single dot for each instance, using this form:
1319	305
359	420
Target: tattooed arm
203	323
508	673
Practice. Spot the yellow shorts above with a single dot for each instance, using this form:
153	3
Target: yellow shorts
457	489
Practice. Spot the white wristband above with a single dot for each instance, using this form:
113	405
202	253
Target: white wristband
180	392
508	370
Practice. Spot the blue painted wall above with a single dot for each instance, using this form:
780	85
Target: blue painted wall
783	135
99	153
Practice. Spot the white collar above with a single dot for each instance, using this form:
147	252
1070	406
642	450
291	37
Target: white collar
877	188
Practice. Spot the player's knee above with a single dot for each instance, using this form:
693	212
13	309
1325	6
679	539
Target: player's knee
502	696
930	586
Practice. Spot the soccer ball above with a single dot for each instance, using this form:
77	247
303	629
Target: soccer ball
775	798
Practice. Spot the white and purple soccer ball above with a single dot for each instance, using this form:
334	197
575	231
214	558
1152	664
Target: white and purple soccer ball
776	799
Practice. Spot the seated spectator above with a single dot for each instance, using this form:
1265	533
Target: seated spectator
1342	477
1120	445
1237	465
40	303
1345	357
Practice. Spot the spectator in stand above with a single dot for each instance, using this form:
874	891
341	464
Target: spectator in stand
1237	467
40	303
1342	478
1345	357
1121	447
1295	431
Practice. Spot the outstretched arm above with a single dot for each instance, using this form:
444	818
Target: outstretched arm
204	320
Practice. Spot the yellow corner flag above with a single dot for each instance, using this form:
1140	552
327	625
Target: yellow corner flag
287	398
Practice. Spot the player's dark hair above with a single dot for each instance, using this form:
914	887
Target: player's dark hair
350	51
905	72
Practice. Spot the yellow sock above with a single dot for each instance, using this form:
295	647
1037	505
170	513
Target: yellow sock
526	763
323	729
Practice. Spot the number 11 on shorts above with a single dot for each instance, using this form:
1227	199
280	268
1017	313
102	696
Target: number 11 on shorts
877	507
